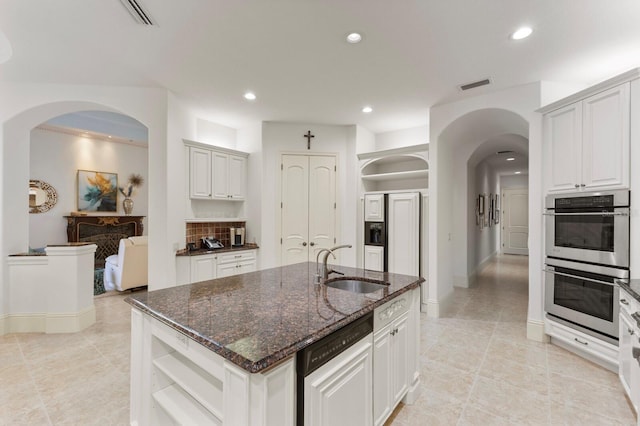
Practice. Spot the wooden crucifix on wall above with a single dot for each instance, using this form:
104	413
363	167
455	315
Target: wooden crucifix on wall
308	136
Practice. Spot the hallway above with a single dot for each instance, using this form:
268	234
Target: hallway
478	368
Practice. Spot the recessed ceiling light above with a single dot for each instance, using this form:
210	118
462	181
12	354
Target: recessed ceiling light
518	173
367	109
109	136
250	96
354	38
522	32
510	159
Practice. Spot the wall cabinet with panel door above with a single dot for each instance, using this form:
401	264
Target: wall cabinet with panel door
216	173
587	141
374	207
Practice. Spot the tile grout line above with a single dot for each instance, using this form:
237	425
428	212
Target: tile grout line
33	383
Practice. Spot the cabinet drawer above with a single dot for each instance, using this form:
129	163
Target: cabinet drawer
391	310
236	256
583	342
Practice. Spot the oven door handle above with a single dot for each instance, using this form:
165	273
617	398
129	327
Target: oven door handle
576	276
587	214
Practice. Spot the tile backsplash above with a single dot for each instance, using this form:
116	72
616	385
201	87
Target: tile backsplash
219	230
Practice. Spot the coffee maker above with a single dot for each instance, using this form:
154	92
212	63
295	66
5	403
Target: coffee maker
236	235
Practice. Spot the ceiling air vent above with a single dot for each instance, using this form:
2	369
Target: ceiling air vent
138	13
475	84
505	152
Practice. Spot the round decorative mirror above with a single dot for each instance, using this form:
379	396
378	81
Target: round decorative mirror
42	196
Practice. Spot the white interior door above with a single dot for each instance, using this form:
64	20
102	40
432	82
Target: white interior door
308	217
404	233
295	209
515	221
322	203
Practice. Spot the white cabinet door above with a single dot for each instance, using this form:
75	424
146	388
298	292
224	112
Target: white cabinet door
403	240
605	143
390	367
400	357
227	270
563	133
199	173
382	376
220	172
374	207
237	177
374	258
203	268
246	266
341	394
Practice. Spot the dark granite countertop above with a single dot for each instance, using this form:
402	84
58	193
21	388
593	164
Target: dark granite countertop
633	288
200	252
259	318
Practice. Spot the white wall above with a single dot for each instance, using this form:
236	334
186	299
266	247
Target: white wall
278	138
25	106
56	158
215	134
485	238
249	140
401	138
520	101
514	181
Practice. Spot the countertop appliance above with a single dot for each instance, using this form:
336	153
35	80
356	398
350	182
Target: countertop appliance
211	243
584	296
236	235
589	227
321	361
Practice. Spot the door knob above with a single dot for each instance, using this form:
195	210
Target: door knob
304	244
312	244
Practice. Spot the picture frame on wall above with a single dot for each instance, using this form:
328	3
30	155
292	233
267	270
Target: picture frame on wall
496	218
97	191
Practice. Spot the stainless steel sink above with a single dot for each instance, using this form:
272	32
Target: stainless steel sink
355	285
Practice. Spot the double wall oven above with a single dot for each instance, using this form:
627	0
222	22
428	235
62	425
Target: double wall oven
587	255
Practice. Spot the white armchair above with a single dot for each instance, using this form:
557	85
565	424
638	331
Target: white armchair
128	268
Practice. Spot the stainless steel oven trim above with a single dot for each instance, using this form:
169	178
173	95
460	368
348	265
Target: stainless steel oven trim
608	328
619	273
620	198
615	213
577	277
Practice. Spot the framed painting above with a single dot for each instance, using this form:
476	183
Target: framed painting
97	191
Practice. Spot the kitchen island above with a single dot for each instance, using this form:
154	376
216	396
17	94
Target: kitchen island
223	351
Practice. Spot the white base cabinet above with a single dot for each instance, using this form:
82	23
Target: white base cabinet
396	340
342	395
175	380
629	367
205	267
236	263
374	258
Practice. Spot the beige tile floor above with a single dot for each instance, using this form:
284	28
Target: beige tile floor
478	368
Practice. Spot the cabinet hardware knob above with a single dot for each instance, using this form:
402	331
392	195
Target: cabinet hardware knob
581	342
577	186
624	301
304	244
582	185
631	331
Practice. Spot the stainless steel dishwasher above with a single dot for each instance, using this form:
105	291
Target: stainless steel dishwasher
335	377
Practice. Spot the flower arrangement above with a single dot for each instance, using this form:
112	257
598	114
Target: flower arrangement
135	181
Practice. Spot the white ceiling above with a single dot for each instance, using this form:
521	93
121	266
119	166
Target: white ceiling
293	55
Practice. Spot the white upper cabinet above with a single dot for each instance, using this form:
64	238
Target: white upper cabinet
200	173
374	207
587	142
217	173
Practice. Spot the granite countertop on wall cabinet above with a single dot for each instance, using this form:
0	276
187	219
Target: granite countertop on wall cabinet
633	288
259	318
200	252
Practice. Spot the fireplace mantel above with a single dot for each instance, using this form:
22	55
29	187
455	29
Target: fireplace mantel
103	230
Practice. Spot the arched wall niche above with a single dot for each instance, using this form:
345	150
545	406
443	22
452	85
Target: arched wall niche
15	170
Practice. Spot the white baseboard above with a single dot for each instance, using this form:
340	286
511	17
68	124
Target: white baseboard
461	281
413	393
535	331
436	309
67	322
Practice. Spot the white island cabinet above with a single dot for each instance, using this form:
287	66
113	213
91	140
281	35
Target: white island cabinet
177	380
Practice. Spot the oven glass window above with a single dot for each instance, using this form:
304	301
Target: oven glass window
584	296
584	232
